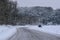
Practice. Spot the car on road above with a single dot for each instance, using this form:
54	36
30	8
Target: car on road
39	26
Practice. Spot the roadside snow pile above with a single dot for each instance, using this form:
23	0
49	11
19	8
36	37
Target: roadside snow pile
51	29
6	32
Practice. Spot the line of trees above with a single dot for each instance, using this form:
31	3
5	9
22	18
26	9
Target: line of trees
10	14
40	15
8	11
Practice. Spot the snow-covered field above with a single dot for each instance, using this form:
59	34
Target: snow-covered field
51	29
7	31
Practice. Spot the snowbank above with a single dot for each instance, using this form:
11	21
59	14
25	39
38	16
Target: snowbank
6	32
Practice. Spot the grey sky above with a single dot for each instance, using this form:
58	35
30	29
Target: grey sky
48	3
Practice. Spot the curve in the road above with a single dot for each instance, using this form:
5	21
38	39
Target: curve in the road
28	34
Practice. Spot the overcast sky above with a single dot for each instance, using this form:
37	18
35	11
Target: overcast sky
49	3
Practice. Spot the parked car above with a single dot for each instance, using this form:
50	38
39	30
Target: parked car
39	26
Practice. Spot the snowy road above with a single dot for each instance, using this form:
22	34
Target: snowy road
28	34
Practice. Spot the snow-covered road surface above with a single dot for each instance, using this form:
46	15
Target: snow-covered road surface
29	34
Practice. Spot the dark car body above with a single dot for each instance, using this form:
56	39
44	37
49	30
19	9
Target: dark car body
39	26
